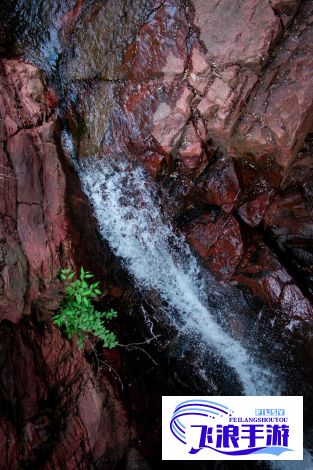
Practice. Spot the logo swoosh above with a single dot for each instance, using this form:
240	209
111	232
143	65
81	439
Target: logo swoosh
257	450
204	408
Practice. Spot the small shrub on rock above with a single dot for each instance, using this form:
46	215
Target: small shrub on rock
77	313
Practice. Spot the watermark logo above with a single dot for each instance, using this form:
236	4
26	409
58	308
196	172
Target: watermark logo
232	428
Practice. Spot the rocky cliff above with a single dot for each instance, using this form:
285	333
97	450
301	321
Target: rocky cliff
55	411
215	101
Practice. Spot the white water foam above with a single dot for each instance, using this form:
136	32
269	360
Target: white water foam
131	221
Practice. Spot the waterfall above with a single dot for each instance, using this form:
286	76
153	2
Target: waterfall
130	219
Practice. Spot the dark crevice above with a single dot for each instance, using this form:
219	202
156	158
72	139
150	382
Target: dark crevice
286	259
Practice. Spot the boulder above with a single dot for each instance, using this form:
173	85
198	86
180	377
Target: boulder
103	33
58	414
237	33
289	222
159	50
222	105
151	116
279	116
221	186
262	272
217	239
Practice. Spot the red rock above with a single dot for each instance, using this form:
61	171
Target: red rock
190	147
252	212
9	445
113	358
237	34
148	113
279	116
268	279
199	69
51	99
27	82
154	163
27	166
157	113
159	50
41	216
142	119
7	186
11	126
10	119
286	9
195	162
201	129
94	106
221	186
222	105
217	239
289	223
172	96
51	387
71	15
13	274
95	419
33	217
141	96
104	32
187	170
168	121
290	218
284	6
135	460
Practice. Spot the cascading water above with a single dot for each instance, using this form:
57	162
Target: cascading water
130	220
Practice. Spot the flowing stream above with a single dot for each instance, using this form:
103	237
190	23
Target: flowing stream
131	221
130	218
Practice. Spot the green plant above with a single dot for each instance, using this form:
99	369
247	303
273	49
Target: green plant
77	313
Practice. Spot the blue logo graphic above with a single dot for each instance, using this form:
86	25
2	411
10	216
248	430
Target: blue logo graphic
246	436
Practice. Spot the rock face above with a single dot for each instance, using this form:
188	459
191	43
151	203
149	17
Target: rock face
216	237
279	116
34	237
219	24
215	100
56	412
218	94
54	404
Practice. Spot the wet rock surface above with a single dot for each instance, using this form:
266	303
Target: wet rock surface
34	234
236	33
56	412
226	87
216	237
215	100
279	115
